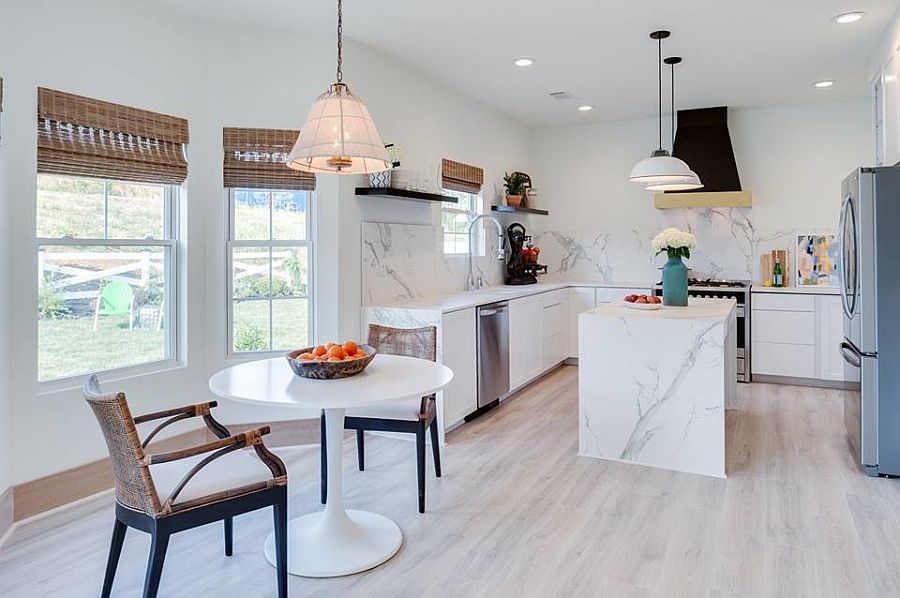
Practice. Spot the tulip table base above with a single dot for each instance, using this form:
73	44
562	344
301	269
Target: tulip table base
337	542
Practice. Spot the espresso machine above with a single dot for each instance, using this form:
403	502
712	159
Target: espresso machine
518	270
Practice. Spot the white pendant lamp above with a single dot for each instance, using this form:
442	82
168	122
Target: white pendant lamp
660	167
339	136
693	181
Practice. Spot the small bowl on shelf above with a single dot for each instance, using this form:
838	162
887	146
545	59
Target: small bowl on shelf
315	369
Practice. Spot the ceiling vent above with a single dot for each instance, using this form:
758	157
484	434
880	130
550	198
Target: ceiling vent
561	95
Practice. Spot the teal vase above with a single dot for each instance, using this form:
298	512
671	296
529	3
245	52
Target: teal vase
675	282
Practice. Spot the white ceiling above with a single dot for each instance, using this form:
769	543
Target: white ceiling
736	53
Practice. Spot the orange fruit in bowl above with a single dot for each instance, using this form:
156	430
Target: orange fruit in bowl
319	351
350	347
335	359
307	356
329	345
336	351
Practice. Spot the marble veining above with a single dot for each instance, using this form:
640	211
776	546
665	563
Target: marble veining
655	391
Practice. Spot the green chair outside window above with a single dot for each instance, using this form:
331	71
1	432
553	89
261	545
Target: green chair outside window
115	299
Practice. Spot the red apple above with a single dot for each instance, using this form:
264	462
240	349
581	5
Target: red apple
630	298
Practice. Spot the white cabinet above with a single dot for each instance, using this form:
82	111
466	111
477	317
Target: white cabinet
525	316
554	328
460	397
830	327
797	335
581	299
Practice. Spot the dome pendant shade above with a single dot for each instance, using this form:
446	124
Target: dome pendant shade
339	137
689	184
660	168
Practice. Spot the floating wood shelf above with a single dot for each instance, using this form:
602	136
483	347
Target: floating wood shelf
511	209
404	194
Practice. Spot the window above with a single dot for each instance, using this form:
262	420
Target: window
455	219
269	264
106	254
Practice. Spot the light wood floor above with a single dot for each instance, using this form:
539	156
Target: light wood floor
517	513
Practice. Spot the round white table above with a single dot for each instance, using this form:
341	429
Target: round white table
335	541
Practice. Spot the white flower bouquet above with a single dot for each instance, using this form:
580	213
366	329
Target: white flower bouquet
675	243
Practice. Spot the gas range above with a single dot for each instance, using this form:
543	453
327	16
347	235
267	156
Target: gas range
739	290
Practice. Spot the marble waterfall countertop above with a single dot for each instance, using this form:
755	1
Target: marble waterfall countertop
466	299
653	385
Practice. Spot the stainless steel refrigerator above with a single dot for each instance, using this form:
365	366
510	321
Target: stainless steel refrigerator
870	293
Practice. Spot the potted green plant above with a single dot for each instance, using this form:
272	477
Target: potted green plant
514	183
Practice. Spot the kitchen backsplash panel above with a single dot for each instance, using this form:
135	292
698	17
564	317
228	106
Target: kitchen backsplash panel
404	262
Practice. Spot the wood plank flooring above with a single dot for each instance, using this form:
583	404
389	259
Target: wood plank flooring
517	513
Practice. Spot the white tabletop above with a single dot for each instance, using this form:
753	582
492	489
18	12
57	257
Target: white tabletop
388	378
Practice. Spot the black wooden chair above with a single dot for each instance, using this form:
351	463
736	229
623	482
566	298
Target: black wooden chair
210	482
413	416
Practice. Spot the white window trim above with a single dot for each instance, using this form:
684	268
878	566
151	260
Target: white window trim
231	243
171	310
478	242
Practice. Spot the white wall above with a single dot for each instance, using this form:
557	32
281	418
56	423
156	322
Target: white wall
791	158
214	77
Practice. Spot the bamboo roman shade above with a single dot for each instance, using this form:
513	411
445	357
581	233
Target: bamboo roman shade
255	159
461	177
80	136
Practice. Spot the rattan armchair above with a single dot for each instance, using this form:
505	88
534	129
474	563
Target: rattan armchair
165	493
413	416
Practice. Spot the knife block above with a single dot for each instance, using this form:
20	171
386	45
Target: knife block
765	269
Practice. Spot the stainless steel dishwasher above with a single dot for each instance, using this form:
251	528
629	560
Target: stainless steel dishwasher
493	352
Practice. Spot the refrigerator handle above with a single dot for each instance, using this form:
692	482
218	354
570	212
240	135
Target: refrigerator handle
851	355
845	300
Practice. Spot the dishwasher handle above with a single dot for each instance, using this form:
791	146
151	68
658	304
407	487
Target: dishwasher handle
490	312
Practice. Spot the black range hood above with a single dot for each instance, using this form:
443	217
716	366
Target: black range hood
702	140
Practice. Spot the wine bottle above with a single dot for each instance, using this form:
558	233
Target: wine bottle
777	274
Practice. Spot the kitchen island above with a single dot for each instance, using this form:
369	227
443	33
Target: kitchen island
653	385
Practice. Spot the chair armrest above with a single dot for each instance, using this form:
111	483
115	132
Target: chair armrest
222	447
189	410
238	441
180	413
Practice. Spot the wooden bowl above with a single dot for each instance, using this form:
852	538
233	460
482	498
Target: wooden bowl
329	370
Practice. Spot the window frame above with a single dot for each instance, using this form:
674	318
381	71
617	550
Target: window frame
478	210
171	304
231	243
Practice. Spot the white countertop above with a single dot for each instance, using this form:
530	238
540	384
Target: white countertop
803	290
697	309
466	299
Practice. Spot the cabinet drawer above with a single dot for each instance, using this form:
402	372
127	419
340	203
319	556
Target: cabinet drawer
609	295
783	302
554	297
552	320
777	359
795	327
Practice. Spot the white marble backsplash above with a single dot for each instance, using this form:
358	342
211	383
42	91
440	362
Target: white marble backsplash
402	262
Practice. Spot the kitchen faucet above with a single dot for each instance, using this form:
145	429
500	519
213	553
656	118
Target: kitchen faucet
471	283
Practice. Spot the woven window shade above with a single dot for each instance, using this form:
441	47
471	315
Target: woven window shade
79	136
461	177
255	159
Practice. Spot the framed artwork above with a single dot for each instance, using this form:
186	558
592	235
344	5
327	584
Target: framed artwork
816	261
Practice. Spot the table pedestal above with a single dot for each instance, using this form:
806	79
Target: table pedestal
335	541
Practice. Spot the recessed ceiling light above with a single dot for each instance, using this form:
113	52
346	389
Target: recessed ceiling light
848	17
585	108
524	61
823	84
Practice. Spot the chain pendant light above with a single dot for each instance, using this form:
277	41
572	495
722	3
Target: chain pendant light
339	136
694	181
660	167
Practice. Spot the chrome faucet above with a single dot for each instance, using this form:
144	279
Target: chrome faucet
471	282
